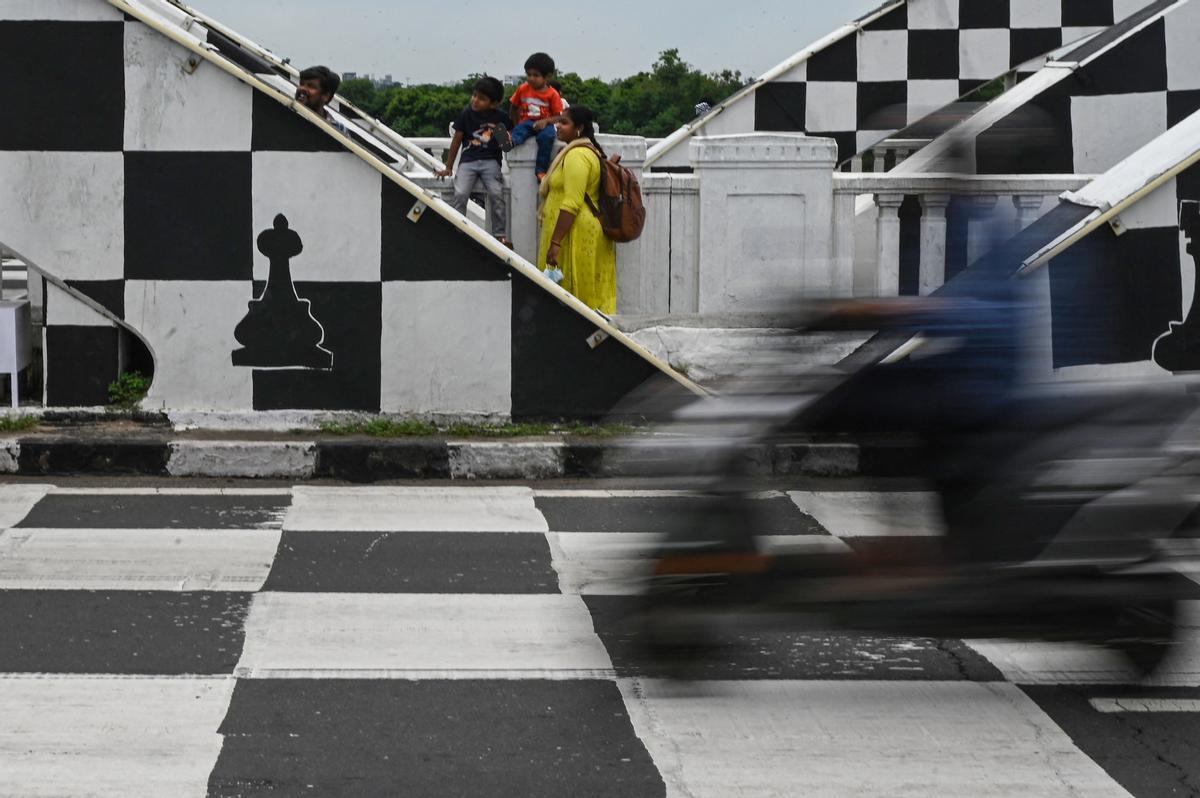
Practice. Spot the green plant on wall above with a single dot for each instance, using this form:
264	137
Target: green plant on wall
129	389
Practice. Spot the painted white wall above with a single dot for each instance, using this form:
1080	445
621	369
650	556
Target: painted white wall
433	363
1099	144
65	211
933	14
983	54
831	106
60	10
882	55
1035	14
189	328
333	201
62	309
1183	56
176	102
927	96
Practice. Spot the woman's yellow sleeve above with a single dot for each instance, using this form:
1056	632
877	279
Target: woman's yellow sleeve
577	179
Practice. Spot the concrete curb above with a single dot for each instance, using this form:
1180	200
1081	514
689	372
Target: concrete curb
375	460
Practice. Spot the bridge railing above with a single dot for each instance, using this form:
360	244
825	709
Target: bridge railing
867	221
765	216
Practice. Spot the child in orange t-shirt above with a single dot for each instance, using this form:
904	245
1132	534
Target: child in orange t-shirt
536	106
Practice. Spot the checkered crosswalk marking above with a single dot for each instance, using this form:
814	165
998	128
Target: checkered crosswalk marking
330	633
110	735
136	559
488	509
988	738
1064	663
853	514
17	500
356	635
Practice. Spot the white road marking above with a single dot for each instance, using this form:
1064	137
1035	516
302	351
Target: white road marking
873	514
390	634
617	564
789	738
418	675
110	736
172	491
557	493
602	563
136	559
1112	705
424	509
16	501
1067	663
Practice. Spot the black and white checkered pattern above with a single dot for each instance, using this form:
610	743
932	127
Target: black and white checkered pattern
917	58
1147	78
473	641
141	176
1113	295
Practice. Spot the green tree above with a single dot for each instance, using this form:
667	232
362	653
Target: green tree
362	92
427	110
655	103
651	104
592	92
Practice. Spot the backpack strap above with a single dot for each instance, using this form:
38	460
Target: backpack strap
587	197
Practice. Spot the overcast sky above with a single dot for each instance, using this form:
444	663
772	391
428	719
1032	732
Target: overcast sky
439	41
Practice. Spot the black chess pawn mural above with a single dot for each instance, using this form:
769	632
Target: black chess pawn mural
1179	350
279	331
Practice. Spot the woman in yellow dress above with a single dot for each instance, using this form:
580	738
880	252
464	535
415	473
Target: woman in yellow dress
572	238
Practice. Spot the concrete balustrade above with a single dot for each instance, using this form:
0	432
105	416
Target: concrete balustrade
887	244
933	241
766	201
1026	195
763	218
886	155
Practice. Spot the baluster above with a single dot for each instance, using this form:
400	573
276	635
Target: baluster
842	283
888	237
981	229
880	164
933	242
1027	206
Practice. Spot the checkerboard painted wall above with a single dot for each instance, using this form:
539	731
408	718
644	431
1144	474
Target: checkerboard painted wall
910	61
142	182
1113	295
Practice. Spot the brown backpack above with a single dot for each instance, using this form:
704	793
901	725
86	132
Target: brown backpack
621	213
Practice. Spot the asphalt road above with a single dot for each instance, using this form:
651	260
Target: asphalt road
250	639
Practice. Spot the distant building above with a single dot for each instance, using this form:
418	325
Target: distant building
349	76
514	80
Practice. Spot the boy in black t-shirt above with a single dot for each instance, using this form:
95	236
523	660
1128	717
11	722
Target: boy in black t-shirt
480	132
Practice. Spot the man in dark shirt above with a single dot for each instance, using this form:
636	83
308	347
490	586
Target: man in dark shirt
318	85
481	133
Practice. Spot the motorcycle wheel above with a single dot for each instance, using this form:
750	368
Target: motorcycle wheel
1144	634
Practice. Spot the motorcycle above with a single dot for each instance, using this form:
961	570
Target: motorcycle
1060	502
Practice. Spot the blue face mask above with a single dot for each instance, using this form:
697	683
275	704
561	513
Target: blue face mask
554	274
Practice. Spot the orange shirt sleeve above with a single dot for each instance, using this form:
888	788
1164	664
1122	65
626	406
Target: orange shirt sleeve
556	106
